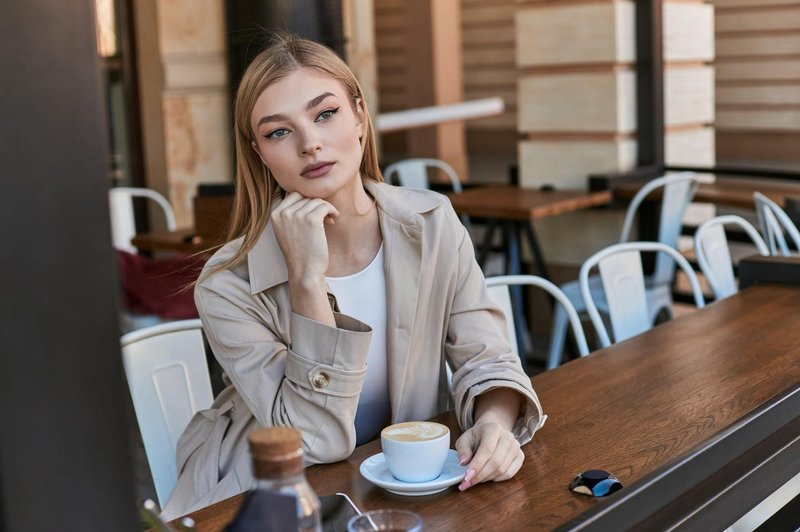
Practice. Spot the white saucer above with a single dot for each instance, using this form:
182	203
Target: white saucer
376	471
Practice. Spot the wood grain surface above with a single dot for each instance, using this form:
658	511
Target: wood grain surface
631	409
514	203
733	191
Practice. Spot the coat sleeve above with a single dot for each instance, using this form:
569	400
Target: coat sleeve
476	347
311	383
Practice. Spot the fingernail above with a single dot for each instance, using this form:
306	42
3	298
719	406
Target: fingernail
462	459
469	476
464	486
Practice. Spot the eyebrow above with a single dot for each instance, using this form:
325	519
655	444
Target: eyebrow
310	105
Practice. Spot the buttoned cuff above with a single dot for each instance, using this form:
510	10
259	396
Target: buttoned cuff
331	360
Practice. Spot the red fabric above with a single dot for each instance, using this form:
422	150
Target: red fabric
159	286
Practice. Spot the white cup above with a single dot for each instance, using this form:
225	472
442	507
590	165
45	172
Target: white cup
415	451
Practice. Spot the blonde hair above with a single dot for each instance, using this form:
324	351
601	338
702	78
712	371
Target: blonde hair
256	188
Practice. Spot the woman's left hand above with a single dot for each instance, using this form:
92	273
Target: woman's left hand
491	452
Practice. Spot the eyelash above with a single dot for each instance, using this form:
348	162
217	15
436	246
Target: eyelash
271	135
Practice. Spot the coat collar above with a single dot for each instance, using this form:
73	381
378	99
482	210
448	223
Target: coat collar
396	206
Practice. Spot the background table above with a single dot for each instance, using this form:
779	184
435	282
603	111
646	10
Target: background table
707	401
730	191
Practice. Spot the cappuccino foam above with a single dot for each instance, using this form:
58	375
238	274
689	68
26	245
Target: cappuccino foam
414	431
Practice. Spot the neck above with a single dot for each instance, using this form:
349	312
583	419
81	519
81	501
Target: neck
355	238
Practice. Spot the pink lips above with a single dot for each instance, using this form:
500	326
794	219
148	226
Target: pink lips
316	170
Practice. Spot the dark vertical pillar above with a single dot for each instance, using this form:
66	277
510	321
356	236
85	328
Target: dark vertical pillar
650	83
64	461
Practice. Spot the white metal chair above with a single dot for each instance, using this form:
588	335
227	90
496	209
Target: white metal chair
623	284
498	288
169	381
123	222
773	222
714	256
414	173
678	191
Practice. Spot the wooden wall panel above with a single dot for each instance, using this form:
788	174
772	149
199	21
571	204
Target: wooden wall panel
693	147
758	19
594	101
724	4
688	32
566	163
732	117
733	69
558	34
689	95
767	45
762	93
758	82
390	44
487	29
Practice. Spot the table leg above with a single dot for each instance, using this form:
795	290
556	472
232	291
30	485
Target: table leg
514	267
486	245
538	256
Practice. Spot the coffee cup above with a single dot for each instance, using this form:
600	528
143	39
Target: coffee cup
415	451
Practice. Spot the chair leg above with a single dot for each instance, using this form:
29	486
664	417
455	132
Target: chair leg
558	335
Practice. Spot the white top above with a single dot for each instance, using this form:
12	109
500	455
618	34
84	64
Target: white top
362	296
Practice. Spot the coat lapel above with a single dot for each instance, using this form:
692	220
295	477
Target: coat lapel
402	226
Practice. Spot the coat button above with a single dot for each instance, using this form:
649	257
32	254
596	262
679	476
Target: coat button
320	380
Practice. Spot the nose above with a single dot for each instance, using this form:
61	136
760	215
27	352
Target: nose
310	142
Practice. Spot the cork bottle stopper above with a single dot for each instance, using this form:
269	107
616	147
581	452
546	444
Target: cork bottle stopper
276	451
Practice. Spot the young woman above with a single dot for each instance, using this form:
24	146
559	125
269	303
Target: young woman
340	298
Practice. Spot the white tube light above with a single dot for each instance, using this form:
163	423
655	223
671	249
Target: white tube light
427	116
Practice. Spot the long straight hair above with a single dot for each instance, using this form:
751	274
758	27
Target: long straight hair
256	187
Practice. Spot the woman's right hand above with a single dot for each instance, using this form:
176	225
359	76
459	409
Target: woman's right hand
299	225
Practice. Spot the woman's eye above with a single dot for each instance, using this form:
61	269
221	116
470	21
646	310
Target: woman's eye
326	115
276	134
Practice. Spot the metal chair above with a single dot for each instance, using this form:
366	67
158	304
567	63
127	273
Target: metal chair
414	173
677	192
169	381
714	256
623	285
123	221
773	222
498	288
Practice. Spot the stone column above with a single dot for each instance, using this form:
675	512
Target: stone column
185	98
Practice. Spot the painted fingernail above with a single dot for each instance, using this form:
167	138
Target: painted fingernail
469	476
464	486
462	459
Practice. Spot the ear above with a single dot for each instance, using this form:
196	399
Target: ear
361	115
255	149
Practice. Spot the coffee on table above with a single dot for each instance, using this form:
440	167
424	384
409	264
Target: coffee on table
415	451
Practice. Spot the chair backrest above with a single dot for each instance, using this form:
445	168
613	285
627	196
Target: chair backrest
414	173
169	381
623	282
123	222
714	256
773	222
498	288
679	189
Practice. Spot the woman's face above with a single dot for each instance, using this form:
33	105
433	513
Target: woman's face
307	134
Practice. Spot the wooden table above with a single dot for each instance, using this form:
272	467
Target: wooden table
515	209
180	240
677	413
731	191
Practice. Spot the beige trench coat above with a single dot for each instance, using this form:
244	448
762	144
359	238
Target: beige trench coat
288	370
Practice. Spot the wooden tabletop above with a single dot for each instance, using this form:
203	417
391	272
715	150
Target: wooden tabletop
514	203
632	409
732	191
180	240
